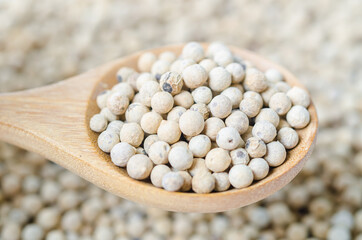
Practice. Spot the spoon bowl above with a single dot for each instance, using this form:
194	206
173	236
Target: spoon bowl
54	122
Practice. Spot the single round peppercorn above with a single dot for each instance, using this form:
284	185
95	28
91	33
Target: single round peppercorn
171	82
162	102
265	131
194	76
259	167
218	160
228	138
240	176
180	158
219	79
191	123
239	156
220	106
150	122
275	154
255	147
132	133
298	117
139	167
158	152
121	153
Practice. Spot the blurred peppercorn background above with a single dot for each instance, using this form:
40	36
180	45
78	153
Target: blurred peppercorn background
319	41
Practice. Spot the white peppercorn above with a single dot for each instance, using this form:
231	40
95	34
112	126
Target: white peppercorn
184	99
194	51
162	102
264	130
267	94
102	99
115	126
255	80
198	166
32	232
254	95
223	58
160	67
10	231
123	73
171	82
107	114
218	160
158	152
121	153
142	78
180	65
117	103
172	181
298	117
175	113
255	147
191	123
98	123
239	156
200	145
240	176
124	89
208	64
194	76
212	127
132	133
139	167
237	72
150	122
275	154
288	137
202	109
145	61
222	182
157	174
147	91
228	138
180	158
202	95
203	182
234	94
259	167
48	218
215	47
282	87
280	103
168	56
269	115
250	107
238	120
219	79
187	181
107	140
220	106
299	96
169	131
149	141
273	75
135	112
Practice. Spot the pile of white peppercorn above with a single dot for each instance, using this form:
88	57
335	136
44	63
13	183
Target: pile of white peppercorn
323	202
205	120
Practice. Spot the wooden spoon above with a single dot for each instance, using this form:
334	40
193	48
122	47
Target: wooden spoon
54	122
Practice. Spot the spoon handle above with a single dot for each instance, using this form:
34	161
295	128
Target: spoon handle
46	118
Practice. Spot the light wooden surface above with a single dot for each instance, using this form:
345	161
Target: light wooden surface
53	121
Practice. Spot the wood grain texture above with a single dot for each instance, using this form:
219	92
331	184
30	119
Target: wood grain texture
53	121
